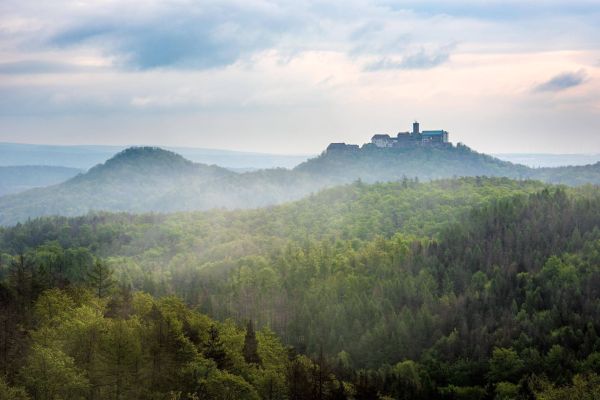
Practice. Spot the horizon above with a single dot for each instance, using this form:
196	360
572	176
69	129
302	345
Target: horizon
251	152
286	78
125	146
84	157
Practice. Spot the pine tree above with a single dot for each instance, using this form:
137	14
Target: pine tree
215	349
101	278
251	345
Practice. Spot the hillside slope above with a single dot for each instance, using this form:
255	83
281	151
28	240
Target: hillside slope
354	211
572	175
133	180
452	289
374	164
152	179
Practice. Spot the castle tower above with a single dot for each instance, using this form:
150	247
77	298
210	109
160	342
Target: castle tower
415	130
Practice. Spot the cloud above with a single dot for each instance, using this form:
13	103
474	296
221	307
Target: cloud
562	82
189	34
376	38
182	36
418	60
224	68
497	10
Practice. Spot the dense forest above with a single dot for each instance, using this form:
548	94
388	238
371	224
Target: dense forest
470	288
155	180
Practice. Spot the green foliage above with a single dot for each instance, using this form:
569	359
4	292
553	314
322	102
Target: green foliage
584	387
465	288
51	374
118	358
222	385
250	350
405	379
215	349
505	365
12	393
137	179
506	391
463	392
100	278
161	349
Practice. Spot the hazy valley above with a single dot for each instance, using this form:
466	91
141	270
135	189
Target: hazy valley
288	200
151	179
452	278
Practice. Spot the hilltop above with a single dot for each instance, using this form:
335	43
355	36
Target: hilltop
373	164
147	179
133	180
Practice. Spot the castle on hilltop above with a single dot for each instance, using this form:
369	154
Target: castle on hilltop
402	139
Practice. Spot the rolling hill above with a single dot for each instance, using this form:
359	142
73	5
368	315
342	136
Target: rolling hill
152	179
469	288
133	180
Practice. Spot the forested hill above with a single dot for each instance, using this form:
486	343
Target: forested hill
133	180
571	175
152	179
471	288
425	162
354	211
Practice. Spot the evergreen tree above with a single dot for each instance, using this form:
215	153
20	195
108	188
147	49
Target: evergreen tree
100	278
215	349
250	350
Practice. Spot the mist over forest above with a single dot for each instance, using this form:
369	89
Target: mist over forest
291	200
149	179
414	273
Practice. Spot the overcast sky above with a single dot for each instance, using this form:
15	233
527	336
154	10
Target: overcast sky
292	76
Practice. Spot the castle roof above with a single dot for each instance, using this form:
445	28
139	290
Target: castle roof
433	133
